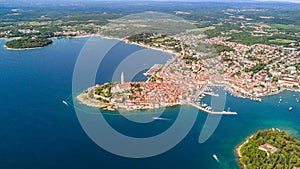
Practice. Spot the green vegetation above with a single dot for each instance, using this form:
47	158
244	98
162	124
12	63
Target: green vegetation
287	155
136	87
256	68
297	65
275	79
104	90
287	28
222	48
156	40
189	58
48	20
141	38
25	43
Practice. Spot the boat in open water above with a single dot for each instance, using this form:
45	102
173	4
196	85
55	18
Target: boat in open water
216	158
66	103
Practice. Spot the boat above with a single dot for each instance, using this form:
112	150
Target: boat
160	118
208	108
216	158
64	102
291	108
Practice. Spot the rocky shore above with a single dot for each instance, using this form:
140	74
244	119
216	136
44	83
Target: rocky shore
86	98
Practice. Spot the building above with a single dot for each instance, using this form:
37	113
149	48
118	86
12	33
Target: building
268	148
288	81
122	78
122	87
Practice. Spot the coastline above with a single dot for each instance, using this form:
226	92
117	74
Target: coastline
138	44
84	99
227	87
153	48
238	151
20	49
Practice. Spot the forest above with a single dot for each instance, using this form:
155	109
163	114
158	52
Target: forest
287	156
24	43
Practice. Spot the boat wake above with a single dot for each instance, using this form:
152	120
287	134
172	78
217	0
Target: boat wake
216	158
65	102
160	118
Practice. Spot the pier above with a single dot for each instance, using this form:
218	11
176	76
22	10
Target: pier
211	112
211	94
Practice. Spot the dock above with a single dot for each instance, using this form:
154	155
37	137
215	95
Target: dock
211	94
212	112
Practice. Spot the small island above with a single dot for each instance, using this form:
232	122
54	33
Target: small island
28	43
270	149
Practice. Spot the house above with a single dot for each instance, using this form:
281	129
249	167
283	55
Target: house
288	81
268	148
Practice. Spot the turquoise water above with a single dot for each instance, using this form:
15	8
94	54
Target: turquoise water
38	131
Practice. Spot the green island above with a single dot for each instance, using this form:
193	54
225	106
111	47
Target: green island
28	43
270	149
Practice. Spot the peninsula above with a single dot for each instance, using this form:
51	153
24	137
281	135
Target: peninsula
269	149
199	64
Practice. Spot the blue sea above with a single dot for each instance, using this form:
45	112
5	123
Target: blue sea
38	131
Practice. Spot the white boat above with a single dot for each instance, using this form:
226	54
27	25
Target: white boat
208	108
159	118
291	108
64	102
216	158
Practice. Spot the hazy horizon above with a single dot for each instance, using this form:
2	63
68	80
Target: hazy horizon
291	1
